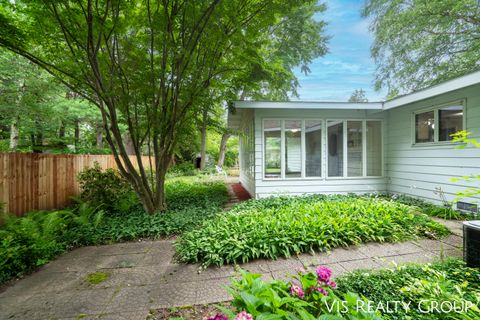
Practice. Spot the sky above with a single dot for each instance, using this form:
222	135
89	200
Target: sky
348	65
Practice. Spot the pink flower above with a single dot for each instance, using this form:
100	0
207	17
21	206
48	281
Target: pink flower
331	284
323	274
244	316
322	291
218	316
296	290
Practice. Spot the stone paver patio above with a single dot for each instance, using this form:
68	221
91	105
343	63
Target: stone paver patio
144	276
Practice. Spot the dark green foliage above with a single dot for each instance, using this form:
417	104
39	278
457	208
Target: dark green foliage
450	280
106	189
444	212
189	204
182	169
275	300
34	239
279	227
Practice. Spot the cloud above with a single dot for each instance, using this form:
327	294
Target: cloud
348	66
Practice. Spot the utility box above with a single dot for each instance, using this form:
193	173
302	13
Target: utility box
471	243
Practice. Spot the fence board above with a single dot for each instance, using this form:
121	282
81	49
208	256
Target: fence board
30	181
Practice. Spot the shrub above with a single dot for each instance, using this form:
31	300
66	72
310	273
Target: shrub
279	227
182	169
189	202
308	296
106	189
32	240
448	281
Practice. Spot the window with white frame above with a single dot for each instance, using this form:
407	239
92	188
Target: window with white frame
437	124
248	150
294	148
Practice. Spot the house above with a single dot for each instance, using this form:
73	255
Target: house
401	145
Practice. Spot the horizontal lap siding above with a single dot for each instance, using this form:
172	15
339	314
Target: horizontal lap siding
265	187
419	170
247	180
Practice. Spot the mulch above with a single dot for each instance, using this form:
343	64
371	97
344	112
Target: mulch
240	192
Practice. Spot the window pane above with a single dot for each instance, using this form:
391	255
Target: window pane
313	146
374	148
354	149
424	126
293	148
273	134
335	148
450	121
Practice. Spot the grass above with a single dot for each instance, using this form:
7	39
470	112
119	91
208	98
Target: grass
280	227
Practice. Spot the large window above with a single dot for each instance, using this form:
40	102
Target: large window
335	148
297	148
273	138
439	123
313	148
293	148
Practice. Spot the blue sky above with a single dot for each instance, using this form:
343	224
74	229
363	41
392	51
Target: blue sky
348	65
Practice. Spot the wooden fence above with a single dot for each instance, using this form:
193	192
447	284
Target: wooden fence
32	181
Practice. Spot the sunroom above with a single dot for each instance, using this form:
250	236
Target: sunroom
401	145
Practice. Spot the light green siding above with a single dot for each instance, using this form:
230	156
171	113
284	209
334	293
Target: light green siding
422	171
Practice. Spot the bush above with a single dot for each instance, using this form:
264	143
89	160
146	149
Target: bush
279	227
189	202
308	296
106	189
182	169
34	239
448	281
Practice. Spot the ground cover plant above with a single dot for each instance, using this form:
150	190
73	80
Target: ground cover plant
320	295
445	212
36	238
419	286
283	226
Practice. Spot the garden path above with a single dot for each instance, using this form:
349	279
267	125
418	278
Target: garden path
143	275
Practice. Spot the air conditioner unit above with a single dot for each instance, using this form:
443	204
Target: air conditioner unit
471	243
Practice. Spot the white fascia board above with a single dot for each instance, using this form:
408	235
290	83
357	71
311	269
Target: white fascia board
307	105
444	87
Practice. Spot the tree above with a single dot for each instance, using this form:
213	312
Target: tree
143	64
358	96
421	43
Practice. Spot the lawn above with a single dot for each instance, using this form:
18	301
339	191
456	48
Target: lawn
284	226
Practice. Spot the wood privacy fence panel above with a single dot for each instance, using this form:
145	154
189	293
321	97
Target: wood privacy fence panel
32	181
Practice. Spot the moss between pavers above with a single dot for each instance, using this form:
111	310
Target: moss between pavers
97	277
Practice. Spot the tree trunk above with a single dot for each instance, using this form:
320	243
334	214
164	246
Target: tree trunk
14	134
77	134
99	131
223	149
61	131
203	147
129	144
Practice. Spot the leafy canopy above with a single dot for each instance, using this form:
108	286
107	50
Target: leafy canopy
420	43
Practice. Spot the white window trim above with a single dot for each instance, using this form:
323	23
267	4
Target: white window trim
324	150
435	108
